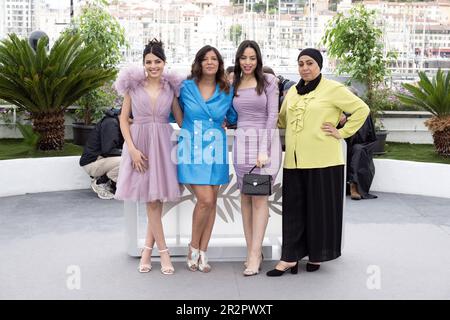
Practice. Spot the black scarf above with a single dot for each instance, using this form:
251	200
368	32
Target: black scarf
311	86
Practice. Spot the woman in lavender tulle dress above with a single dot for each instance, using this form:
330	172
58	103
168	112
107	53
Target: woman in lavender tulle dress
256	142
147	172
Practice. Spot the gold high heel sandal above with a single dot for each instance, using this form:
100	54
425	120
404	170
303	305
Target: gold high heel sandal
168	270
145	267
246	263
249	272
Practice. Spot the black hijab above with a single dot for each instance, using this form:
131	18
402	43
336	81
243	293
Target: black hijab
303	88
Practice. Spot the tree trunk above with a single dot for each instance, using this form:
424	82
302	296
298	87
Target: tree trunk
369	84
441	141
50	127
440	129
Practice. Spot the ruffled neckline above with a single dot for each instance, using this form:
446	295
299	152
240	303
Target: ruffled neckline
298	110
133	77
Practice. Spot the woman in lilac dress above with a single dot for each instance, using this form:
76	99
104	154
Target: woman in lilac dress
257	142
147	172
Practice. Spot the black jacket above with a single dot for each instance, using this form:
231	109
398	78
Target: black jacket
105	139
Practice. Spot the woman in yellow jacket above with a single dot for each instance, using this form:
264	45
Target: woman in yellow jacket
313	172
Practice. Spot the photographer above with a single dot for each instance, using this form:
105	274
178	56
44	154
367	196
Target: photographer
102	153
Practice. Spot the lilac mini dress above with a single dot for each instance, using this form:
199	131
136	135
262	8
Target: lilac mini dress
257	130
152	135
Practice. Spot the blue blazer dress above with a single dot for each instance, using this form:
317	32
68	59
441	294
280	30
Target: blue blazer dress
202	143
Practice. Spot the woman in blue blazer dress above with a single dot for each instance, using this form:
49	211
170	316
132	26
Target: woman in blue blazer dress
206	100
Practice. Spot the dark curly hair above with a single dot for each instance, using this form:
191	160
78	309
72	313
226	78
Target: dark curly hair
196	70
156	47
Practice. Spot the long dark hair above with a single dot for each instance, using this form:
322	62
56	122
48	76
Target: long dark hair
196	70
259	74
156	47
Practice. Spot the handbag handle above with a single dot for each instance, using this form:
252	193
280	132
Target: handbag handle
253	168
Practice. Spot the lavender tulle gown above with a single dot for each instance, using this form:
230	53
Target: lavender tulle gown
151	133
257	130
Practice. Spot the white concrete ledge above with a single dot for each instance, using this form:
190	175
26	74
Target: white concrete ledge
21	176
411	177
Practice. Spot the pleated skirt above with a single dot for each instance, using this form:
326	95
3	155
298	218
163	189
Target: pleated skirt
312	213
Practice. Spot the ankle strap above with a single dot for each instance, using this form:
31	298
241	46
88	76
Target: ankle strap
193	249
165	250
148	248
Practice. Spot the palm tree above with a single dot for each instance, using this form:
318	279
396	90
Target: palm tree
46	84
433	96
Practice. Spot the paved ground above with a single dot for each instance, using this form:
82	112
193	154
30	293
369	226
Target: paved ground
396	247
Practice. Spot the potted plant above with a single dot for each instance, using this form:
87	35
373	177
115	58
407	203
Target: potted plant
382	99
434	96
91	109
357	44
97	26
46	83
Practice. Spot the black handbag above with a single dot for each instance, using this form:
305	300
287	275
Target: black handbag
257	184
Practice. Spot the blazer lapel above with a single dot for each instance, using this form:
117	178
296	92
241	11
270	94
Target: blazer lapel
198	97
195	91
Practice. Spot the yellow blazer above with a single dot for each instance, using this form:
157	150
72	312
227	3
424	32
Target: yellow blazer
307	146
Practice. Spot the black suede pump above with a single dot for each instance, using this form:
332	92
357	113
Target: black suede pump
310	267
278	273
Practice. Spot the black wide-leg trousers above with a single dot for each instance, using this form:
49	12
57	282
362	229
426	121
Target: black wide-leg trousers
312	213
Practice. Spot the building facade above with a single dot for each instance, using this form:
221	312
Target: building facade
18	16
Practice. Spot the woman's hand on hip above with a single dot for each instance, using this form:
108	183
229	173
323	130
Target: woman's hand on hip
330	130
138	160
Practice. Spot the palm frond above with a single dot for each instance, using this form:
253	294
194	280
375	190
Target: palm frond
49	82
432	95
